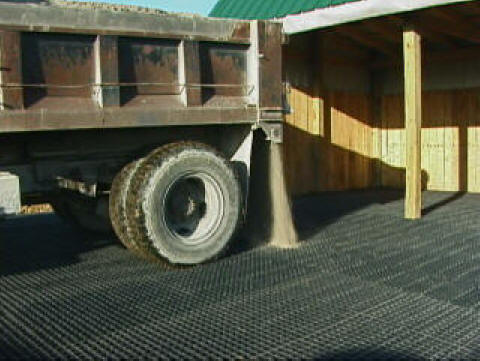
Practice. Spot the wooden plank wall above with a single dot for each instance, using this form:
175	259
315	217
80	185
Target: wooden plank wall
346	128
328	139
450	140
450	129
302	143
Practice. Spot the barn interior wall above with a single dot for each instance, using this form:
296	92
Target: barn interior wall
329	134
345	128
450	126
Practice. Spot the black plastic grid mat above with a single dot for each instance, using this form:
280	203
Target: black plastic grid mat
365	284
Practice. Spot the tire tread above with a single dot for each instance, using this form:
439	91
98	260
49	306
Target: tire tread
135	215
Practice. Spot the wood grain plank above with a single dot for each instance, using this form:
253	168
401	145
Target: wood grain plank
413	122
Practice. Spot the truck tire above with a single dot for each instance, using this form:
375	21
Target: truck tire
184	204
118	204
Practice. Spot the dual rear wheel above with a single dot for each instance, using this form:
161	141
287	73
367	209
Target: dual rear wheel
181	204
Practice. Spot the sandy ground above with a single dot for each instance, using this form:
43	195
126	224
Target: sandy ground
104	6
37	209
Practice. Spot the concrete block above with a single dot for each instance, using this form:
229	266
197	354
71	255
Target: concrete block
10	202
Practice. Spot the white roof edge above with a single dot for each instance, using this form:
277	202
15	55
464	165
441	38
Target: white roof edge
354	11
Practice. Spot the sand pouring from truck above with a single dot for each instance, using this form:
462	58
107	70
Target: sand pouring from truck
144	122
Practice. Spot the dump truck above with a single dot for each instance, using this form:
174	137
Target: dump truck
140	122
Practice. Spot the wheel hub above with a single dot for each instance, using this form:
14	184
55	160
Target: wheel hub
193	208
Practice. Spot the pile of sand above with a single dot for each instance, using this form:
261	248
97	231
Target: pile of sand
104	6
37	209
283	232
90	5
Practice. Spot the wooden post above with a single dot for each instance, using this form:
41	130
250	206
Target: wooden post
413	122
376	79
318	127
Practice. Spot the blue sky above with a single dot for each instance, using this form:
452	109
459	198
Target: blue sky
190	6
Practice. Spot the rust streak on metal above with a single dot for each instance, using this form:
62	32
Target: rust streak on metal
224	64
149	61
11	63
241	31
271	88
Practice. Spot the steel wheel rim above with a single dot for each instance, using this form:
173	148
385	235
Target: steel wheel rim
193	208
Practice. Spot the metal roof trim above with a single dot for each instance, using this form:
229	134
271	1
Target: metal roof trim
354	11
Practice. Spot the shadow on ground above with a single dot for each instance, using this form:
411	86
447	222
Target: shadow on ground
373	355
41	242
365	285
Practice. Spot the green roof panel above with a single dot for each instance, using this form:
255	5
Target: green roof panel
268	9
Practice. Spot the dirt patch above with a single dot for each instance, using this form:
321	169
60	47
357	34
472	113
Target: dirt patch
104	6
37	209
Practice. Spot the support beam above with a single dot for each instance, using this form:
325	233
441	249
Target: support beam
385	30
376	79
106	71
431	57
446	22
317	127
429	34
253	68
355	34
190	73
469	9
270	65
413	122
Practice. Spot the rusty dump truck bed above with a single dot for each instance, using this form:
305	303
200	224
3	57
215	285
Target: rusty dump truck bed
64	68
